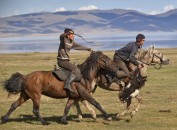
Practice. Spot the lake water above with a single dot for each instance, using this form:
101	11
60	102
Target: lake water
51	43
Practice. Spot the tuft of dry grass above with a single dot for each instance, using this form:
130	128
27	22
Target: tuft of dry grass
159	95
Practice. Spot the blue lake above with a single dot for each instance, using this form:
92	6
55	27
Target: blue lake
51	43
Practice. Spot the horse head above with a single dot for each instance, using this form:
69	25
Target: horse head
154	57
137	83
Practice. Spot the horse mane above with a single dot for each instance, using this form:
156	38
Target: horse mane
141	53
89	63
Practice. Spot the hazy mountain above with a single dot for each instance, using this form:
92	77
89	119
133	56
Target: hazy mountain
92	21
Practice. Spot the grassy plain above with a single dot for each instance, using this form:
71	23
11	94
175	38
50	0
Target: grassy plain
159	93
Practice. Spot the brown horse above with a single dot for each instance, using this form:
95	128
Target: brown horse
33	85
147	57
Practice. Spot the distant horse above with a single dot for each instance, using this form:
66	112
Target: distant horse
147	57
33	85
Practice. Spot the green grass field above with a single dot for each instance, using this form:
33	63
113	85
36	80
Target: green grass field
159	93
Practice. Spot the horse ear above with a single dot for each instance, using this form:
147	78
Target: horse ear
153	47
151	50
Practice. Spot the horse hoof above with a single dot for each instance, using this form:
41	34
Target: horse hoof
63	121
45	123
117	115
3	120
80	117
94	116
109	119
132	114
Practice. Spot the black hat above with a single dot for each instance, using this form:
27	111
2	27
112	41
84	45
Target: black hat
140	36
68	31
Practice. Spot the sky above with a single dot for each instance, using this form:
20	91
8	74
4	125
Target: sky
17	7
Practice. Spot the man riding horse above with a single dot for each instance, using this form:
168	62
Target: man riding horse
66	44
127	54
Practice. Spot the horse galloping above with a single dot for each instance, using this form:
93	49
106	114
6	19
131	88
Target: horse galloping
148	57
33	85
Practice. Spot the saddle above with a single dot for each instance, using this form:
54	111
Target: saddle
110	77
62	74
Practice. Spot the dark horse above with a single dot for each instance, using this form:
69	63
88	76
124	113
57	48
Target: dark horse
137	83
33	85
148	57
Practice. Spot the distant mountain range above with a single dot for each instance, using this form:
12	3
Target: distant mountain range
92	21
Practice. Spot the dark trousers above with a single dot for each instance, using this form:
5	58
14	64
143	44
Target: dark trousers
69	66
124	72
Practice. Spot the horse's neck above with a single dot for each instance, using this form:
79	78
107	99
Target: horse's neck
88	73
143	71
142	56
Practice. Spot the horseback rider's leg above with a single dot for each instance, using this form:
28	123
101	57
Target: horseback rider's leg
68	82
124	72
74	73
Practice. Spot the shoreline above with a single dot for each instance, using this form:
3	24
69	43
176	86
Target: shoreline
75	51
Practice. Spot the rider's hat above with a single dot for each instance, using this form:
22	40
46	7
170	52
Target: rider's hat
140	36
68	31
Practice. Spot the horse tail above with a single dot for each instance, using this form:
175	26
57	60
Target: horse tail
14	84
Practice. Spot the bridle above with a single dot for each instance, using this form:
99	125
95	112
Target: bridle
156	65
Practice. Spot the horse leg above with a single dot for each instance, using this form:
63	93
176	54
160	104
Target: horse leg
86	96
86	104
79	112
23	97
126	109
139	99
67	108
36	102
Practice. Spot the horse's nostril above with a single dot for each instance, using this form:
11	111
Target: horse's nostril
165	62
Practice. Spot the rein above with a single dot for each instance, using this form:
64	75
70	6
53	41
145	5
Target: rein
82	38
153	63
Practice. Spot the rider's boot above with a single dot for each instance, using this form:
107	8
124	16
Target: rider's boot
68	82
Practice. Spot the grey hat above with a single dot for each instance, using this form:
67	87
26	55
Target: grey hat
68	31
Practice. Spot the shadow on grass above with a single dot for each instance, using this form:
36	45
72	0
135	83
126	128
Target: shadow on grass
31	119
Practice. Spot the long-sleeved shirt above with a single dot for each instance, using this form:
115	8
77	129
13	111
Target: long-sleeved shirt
66	45
128	52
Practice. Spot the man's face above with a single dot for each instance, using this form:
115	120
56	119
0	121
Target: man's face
142	41
71	36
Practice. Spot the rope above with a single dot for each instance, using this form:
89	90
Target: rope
83	38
